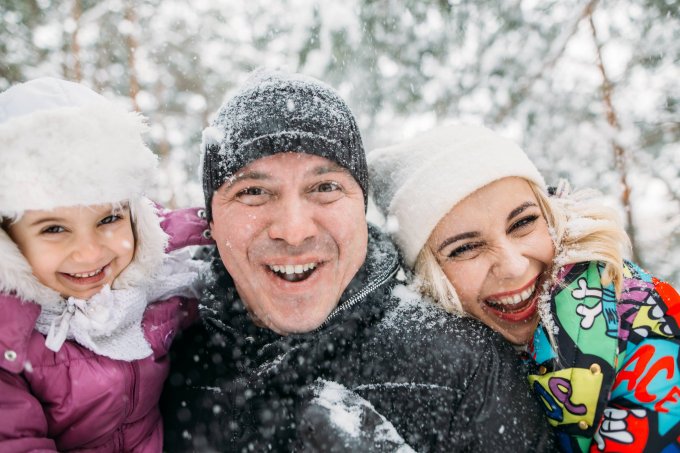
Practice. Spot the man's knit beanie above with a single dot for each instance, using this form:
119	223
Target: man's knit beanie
278	112
417	182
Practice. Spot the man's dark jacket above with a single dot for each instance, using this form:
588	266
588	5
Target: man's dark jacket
445	383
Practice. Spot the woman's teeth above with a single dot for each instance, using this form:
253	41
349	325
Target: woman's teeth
292	268
87	274
516	298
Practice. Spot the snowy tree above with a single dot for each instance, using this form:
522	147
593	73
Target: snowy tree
589	88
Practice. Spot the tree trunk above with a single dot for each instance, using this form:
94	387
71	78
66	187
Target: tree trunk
620	159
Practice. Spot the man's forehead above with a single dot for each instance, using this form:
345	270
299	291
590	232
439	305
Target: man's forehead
277	165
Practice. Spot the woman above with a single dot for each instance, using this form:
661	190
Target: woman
472	217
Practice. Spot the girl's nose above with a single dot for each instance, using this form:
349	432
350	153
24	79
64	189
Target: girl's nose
87	249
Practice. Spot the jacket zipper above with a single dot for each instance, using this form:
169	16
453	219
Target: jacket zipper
352	301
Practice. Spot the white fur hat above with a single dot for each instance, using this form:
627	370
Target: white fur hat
62	144
417	182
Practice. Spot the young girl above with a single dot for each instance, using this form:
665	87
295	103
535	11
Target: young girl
82	353
474	222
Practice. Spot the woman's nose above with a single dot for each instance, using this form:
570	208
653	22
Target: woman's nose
511	261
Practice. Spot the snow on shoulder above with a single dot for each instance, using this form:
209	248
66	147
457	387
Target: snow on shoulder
348	412
413	306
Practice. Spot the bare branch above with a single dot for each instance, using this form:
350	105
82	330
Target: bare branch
549	63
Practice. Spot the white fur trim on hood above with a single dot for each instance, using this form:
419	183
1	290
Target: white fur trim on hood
16	276
417	182
65	145
74	149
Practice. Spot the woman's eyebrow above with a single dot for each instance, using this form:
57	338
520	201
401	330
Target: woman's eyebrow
521	208
458	237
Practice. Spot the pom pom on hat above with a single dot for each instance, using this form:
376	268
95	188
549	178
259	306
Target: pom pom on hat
418	181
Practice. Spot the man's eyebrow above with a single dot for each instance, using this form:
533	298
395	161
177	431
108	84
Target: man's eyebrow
521	208
458	237
241	176
328	168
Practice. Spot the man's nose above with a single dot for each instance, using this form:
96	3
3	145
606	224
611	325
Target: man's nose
293	222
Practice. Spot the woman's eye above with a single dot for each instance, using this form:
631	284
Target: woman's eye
465	251
523	223
110	219
53	229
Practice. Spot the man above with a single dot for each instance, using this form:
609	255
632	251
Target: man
303	314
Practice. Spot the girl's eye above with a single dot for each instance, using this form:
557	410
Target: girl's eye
110	219
53	229
465	251
522	223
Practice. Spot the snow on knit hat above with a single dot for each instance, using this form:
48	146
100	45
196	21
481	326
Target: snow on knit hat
62	144
417	182
277	112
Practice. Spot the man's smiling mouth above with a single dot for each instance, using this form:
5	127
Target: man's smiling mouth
293	272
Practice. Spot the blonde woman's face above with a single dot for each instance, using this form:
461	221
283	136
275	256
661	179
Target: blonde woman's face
76	250
495	249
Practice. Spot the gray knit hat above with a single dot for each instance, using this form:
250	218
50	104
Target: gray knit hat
280	112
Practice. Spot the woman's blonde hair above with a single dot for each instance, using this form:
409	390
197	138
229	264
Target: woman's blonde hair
583	229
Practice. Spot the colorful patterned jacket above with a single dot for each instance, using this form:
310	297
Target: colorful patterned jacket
616	383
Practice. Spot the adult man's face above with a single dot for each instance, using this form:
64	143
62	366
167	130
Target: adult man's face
291	230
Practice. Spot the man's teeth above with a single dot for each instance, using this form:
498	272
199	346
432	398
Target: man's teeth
87	274
292	268
515	299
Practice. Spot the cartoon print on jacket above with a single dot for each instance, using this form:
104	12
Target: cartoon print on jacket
616	384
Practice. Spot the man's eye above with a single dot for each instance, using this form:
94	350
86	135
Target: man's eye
523	223
253	196
53	229
251	191
110	219
465	251
328	187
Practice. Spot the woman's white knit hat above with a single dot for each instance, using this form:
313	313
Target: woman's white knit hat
415	183
62	144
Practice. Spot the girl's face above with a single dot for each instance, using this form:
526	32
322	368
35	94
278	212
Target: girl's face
76	250
495	249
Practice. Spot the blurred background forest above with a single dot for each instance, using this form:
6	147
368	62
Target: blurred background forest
591	89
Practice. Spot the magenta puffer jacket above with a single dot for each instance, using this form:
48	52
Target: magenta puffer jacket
76	400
